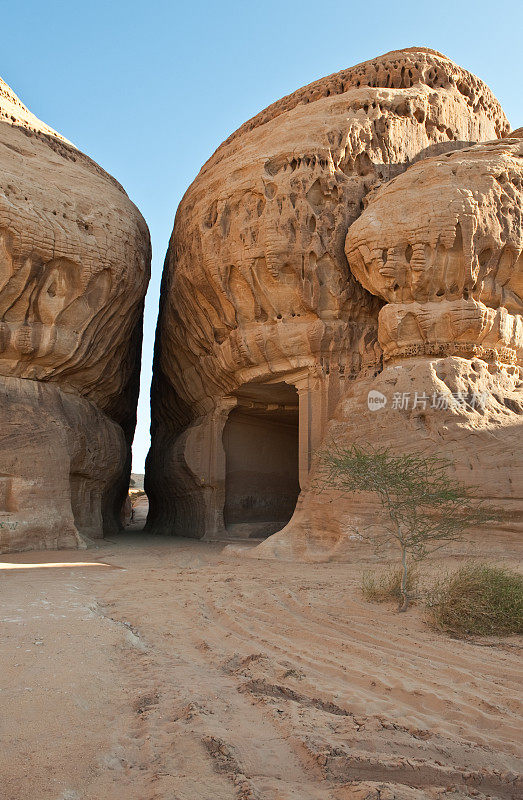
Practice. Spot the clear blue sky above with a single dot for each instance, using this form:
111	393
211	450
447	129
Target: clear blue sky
149	90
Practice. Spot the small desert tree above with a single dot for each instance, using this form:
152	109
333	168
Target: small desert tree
420	506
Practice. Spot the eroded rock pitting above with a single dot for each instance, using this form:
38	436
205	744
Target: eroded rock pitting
74	269
351	237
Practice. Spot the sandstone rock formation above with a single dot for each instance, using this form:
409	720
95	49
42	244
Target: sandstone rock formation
264	331
443	245
74	268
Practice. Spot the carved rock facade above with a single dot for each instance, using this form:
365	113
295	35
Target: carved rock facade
442	244
74	268
265	332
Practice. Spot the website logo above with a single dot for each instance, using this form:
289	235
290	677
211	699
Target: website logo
376	400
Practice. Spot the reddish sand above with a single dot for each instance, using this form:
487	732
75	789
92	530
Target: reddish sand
162	669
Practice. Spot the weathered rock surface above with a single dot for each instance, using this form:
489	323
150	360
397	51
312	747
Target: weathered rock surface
262	323
465	410
74	268
62	460
443	245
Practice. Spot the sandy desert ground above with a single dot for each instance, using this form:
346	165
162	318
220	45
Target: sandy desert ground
163	669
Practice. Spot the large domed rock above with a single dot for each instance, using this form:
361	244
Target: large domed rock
263	328
74	268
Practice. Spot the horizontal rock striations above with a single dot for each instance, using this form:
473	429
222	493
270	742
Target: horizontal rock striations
74	268
260	312
442	244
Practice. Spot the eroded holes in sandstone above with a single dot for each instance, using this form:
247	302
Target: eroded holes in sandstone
316	196
363	164
260	440
270	190
485	256
225	221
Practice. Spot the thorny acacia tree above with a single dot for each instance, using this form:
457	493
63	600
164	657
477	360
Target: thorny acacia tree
420	506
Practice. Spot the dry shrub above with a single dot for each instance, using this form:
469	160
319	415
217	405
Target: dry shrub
477	600
385	587
419	505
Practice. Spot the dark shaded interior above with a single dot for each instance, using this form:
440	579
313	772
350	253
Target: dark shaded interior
261	446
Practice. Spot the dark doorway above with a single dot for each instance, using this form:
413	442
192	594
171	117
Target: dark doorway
261	447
